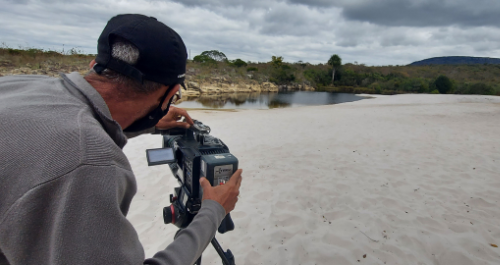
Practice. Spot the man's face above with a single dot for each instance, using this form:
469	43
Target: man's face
156	98
175	95
153	100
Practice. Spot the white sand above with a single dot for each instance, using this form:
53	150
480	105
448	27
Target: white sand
407	179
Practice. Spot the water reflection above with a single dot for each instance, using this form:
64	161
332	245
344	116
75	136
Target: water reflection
266	100
276	103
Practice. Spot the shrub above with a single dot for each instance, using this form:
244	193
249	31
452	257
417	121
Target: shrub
376	87
318	76
443	84
281	76
481	89
237	63
14	51
252	69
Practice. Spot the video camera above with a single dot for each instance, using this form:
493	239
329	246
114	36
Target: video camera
191	154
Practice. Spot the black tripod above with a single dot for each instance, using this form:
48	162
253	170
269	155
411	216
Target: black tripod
226	256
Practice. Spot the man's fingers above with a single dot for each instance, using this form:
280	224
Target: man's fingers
184	113
236	178
239	181
236	175
184	125
204	183
188	119
176	124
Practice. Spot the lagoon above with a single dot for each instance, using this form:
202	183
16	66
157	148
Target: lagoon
267	100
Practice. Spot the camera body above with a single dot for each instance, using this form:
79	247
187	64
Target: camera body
196	154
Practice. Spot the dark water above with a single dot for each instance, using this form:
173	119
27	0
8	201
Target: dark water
267	100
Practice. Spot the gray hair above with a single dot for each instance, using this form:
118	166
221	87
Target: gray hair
123	50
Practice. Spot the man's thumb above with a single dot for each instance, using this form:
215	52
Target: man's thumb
204	183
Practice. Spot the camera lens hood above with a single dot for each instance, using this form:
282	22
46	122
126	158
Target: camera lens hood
169	214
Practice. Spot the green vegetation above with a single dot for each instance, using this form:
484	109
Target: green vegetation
319	77
349	78
281	73
204	59
215	55
451	79
237	63
335	62
210	58
443	84
358	78
277	61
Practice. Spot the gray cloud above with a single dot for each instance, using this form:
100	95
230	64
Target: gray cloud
294	20
256	30
223	4
426	12
416	12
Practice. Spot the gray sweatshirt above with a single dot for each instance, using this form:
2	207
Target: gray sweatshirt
66	185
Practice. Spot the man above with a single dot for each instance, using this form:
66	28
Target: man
65	184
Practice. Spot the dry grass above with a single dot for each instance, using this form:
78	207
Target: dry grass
37	61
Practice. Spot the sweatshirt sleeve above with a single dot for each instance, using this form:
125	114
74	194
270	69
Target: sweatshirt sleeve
192	241
79	218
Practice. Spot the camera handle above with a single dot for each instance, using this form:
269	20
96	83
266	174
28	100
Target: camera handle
226	224
226	256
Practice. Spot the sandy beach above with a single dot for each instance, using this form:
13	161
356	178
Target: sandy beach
406	179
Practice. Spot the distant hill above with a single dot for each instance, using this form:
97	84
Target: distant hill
457	60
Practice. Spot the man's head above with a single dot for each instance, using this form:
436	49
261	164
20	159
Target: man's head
162	53
141	57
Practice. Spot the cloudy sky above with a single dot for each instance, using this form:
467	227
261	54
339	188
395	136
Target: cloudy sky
373	32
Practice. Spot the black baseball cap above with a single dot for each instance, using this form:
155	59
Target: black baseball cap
162	53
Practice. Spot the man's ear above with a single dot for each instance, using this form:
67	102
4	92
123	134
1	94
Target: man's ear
92	63
170	94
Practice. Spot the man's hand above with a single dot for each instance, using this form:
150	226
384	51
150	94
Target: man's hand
171	120
227	194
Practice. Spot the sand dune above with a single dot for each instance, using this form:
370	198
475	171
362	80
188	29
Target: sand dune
407	179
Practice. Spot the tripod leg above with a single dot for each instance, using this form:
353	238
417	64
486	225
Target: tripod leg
227	257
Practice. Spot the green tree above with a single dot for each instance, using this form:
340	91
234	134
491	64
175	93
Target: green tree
335	62
281	73
202	58
443	84
277	61
215	55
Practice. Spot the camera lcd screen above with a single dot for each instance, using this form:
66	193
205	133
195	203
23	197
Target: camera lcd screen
160	156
